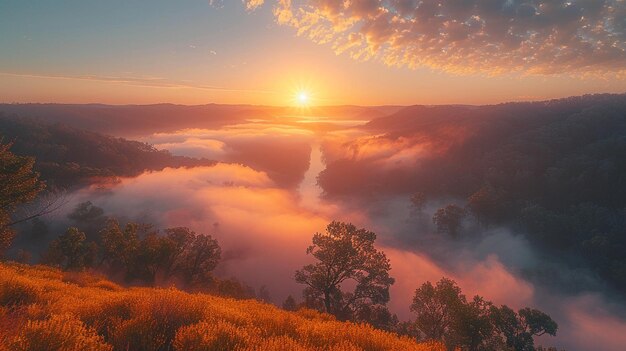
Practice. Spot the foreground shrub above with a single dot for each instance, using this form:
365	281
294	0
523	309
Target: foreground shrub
279	343
155	319
17	291
60	332
140	319
215	337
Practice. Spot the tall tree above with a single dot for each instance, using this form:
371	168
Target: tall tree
345	256
436	308
518	329
444	313
19	184
199	259
119	247
71	251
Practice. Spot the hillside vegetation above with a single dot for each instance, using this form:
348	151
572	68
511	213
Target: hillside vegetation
67	156
42	308
552	171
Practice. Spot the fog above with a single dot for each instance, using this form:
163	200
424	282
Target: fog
264	213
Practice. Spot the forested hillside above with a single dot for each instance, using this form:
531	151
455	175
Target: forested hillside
67	156
553	171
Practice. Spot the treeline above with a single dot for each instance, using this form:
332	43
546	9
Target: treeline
346	256
139	254
67	157
553	171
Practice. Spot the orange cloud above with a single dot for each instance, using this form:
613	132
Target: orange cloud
494	37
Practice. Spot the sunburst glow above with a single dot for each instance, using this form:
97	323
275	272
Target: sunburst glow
303	97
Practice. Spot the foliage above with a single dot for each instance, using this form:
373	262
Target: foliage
519	328
91	317
58	333
19	184
345	254
449	219
68	157
553	170
141	253
290	304
442	312
71	251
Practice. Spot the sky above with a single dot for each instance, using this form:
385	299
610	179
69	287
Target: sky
361	52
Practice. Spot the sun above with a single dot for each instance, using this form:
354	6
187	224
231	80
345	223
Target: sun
303	98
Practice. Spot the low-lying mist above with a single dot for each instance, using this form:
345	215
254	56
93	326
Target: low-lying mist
262	204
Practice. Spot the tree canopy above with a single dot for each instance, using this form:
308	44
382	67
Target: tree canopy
442	312
345	254
19	184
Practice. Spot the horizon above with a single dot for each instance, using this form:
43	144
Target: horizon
268	52
314	106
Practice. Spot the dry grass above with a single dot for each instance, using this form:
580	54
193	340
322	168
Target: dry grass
44	309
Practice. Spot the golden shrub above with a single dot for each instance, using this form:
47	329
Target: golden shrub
218	336
59	332
106	285
155	319
17	291
278	343
87	315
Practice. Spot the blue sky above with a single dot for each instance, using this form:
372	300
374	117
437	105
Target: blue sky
191	52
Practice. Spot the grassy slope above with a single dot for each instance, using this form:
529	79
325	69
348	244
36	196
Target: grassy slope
42	308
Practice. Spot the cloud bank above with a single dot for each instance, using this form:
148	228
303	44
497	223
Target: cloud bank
469	36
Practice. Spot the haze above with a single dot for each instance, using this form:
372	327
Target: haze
259	122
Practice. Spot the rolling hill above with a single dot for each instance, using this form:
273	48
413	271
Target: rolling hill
42	308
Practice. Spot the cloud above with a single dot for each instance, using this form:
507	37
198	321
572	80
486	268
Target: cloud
590	315
196	147
258	145
263	229
468	36
252	5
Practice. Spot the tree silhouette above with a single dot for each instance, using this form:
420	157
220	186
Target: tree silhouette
449	219
19	184
519	328
436	308
418	200
444	313
345	254
290	304
71	251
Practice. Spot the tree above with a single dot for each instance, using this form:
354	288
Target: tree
345	254
19	184
119	248
519	328
436	308
449	219
177	241
290	304
443	313
473	328
71	251
152	254
484	205
88	217
199	259
417	201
